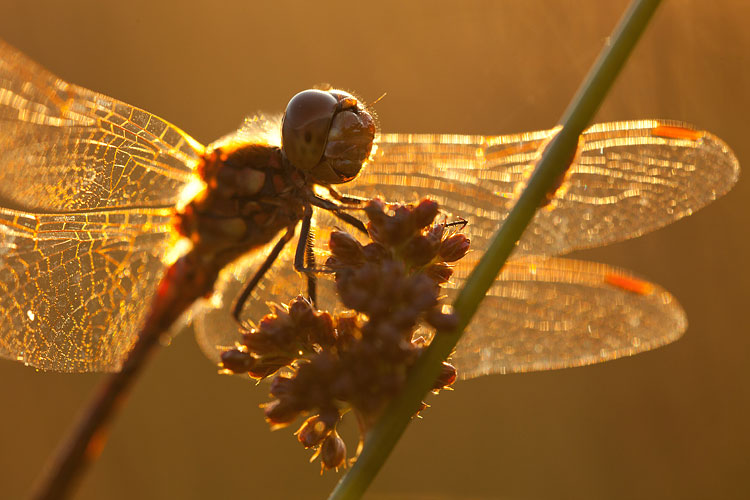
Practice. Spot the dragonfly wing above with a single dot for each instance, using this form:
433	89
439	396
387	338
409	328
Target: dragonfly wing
628	178
547	313
66	148
542	313
75	287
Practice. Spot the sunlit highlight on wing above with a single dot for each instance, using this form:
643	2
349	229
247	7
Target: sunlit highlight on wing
66	148
75	287
628	178
89	187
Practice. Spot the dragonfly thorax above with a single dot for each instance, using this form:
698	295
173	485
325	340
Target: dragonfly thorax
251	194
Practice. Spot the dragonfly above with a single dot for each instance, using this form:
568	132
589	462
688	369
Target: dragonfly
101	202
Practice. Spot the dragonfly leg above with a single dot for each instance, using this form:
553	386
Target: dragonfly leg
239	303
460	223
352	221
349	200
304	257
336	210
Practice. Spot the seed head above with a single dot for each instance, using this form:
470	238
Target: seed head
356	360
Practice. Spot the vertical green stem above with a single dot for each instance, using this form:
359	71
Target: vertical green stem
554	162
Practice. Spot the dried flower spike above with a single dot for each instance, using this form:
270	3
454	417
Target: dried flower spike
360	359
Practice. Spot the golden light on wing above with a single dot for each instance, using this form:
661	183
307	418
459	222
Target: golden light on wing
629	178
88	186
66	148
542	313
548	313
75	287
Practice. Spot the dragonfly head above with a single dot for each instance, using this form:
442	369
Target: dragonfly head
327	134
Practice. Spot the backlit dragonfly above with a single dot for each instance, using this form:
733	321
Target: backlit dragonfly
95	194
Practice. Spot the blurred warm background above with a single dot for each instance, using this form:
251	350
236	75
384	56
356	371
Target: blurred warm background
672	423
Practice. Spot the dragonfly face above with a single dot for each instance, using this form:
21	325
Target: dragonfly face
89	188
328	134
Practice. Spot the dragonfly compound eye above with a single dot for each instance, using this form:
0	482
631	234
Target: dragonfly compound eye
328	134
304	132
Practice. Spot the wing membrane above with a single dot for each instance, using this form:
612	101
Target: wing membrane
628	178
75	287
548	313
540	314
65	148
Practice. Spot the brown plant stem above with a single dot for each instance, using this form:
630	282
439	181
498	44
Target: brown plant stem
182	284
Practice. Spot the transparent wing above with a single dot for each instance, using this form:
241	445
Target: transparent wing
628	178
541	314
65	148
548	313
74	288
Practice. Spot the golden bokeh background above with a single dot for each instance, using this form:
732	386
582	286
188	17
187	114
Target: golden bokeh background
672	423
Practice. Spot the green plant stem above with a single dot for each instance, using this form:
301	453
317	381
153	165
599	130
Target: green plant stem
554	162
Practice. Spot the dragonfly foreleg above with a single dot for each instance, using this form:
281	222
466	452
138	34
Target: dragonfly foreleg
304	257
347	199
239	303
338	212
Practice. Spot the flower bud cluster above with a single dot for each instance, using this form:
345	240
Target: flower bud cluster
358	360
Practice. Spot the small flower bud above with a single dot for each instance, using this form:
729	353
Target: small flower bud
374	252
301	310
420	250
333	452
440	321
281	412
454	247
389	230
322	331
439	272
258	343
281	386
435	233
375	210
313	431
236	361
345	248
424	213
446	378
